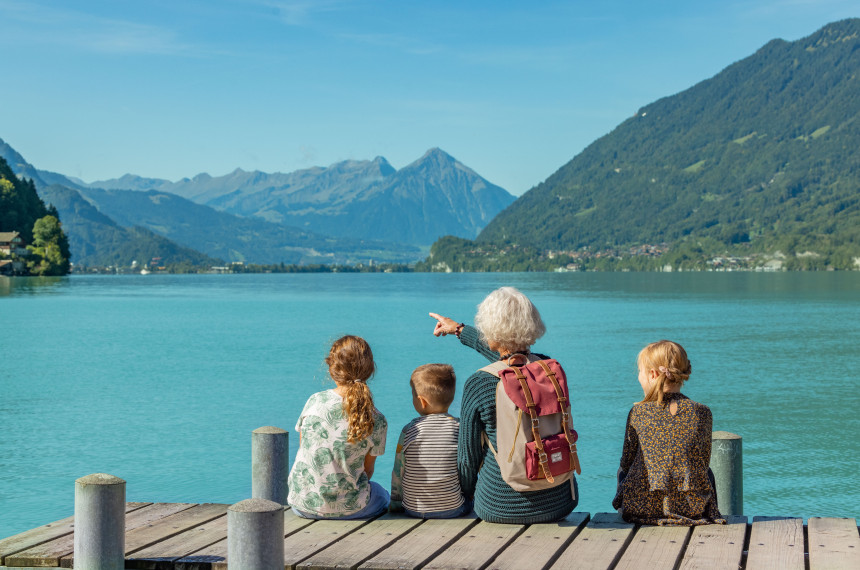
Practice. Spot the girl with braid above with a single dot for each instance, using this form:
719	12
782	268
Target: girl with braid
341	434
664	478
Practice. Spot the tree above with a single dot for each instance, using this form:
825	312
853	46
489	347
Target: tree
50	248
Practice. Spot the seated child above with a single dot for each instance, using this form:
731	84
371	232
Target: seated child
664	477
341	434
425	483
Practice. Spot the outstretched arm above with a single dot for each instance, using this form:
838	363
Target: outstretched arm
468	335
396	504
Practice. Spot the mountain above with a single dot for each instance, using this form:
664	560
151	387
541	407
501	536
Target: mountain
20	204
97	240
434	196
234	238
761	157
114	227
24	169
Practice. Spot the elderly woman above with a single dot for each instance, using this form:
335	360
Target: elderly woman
506	323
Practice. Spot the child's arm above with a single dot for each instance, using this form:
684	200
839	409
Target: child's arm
631	446
396	504
628	454
369	463
377	443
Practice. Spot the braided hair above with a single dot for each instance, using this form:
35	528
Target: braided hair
670	361
350	364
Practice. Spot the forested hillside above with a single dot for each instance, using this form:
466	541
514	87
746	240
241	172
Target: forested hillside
762	158
22	211
98	241
234	238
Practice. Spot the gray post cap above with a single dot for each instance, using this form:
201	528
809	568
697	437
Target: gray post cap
724	435
255	506
100	479
269	429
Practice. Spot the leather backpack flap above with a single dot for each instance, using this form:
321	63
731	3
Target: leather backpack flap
513	433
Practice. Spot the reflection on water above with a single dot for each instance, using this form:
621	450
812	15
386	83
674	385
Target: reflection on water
31	285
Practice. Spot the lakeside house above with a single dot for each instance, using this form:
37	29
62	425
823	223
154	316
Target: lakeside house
11	243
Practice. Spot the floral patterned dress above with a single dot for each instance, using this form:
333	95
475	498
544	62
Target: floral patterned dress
328	475
663	478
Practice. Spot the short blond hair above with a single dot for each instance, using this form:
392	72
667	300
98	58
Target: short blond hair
670	361
436	383
509	319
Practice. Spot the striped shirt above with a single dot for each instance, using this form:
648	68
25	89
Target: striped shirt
426	465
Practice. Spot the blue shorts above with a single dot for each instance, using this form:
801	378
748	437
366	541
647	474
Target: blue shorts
377	505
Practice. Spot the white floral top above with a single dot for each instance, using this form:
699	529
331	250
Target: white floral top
328	475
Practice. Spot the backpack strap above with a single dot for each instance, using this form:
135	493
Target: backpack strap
566	422
542	457
494	368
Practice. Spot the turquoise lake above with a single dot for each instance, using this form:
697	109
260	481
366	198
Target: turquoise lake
161	379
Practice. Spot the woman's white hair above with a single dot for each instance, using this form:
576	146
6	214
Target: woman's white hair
509	319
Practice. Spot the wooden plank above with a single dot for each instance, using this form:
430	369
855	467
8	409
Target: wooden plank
655	547
833	543
164	528
776	543
314	538
162	555
422	544
716	546
479	546
364	543
599	545
216	553
50	553
540	544
46	533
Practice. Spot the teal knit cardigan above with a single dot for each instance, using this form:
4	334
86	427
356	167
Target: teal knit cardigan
480	478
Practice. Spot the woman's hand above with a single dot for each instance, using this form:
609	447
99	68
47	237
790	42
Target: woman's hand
444	325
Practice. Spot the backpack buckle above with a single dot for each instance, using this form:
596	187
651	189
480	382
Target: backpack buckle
535	423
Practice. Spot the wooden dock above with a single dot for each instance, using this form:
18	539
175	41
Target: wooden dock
194	537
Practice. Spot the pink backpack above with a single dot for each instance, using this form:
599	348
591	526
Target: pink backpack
533	422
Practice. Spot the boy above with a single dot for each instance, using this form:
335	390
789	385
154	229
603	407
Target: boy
425	483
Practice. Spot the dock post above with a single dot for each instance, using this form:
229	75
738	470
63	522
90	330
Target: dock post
255	535
99	523
270	452
727	465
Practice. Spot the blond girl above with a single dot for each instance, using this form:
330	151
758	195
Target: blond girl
664	477
341	434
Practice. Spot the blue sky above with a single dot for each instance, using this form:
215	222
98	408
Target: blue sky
168	89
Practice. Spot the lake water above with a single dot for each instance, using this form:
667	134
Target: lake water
161	379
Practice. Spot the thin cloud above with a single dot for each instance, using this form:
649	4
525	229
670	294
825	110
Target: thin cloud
302	12
44	25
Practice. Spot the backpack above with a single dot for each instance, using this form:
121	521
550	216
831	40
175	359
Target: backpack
543	447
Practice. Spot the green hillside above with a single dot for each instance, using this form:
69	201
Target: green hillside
24	212
97	241
233	238
763	158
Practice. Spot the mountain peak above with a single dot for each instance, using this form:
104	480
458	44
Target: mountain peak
437	153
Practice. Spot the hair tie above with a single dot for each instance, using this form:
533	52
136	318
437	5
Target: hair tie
666	373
